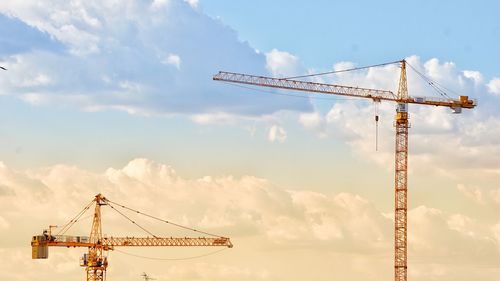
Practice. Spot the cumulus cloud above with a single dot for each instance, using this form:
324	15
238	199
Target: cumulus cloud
474	75
312	120
473	193
193	3
277	134
495	195
168	48
494	86
214	118
282	63
205	271
174	60
456	234
496	231
265	223
450	144
249	202
4	224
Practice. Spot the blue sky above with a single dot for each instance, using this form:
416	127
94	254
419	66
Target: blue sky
117	97
367	32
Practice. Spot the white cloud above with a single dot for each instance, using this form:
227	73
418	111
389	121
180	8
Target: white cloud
174	60
281	63
439	71
4	224
250	204
38	80
440	142
214	118
158	4
495	195
135	41
205	271
462	224
130	86
474	75
312	120
441	235
82	42
343	65
264	222
277	134
496	232
473	193
494	86
193	3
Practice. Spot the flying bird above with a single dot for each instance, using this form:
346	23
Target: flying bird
3	68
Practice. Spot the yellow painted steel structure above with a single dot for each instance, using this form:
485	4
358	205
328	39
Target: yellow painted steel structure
95	261
401	183
401	146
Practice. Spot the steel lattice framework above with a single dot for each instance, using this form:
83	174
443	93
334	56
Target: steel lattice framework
96	261
169	241
108	243
401	184
332	89
401	125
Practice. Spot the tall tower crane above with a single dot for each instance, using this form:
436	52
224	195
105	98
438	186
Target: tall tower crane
95	261
402	99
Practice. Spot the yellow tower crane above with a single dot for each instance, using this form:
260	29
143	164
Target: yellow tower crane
95	261
402	100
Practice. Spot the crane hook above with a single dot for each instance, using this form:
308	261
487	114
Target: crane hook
376	125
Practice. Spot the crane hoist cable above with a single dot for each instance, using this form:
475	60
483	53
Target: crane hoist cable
110	204
376	103
171	259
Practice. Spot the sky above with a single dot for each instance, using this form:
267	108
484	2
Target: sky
117	97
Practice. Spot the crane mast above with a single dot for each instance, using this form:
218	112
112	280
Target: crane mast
401	124
95	261
401	183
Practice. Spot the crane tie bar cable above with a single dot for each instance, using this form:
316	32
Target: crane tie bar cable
129	219
68	225
342	70
162	220
434	84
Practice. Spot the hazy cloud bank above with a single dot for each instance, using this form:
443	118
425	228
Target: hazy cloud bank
266	224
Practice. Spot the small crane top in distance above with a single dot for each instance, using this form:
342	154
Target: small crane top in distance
95	261
147	277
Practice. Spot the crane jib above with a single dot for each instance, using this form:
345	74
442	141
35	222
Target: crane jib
323	88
